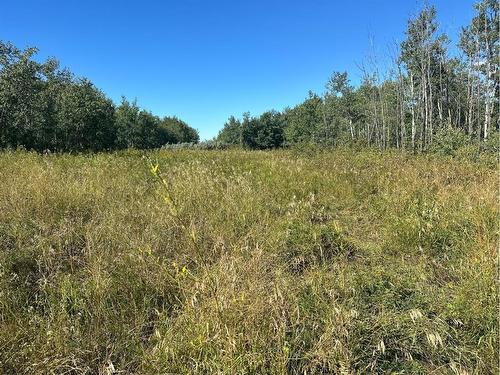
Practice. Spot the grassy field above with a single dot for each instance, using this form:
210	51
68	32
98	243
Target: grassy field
241	262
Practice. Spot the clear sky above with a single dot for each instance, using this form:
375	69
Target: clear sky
206	60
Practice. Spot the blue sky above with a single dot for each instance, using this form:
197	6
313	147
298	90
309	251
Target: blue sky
206	60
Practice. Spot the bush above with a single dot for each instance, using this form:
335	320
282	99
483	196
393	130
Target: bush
448	141
492	144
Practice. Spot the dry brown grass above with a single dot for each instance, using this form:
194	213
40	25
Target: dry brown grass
259	262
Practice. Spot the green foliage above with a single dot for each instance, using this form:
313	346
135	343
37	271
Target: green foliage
128	132
424	93
448	141
492	144
177	131
26	104
304	120
137	128
264	132
231	133
235	261
84	119
45	108
140	129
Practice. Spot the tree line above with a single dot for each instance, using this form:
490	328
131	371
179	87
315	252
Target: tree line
43	107
425	97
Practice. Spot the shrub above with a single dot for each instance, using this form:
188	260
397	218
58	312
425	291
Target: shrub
448	141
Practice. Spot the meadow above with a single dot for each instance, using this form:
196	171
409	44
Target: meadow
248	262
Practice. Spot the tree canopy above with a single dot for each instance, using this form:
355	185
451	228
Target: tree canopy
425	93
43	107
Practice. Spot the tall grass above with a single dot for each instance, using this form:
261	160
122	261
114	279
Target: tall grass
248	262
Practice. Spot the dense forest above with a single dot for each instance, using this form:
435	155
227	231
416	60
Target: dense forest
428	99
43	107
